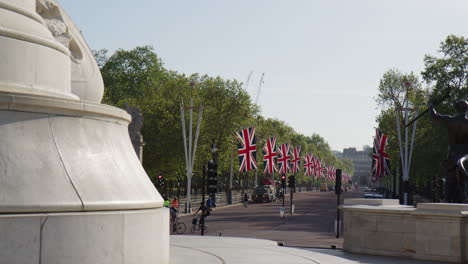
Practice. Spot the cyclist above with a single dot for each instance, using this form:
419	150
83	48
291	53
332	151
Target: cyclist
209	204
204	213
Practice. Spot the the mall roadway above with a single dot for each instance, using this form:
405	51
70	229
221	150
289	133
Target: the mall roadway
312	224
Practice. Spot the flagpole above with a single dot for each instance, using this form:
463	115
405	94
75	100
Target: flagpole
412	144
197	133
406	176
189	153
402	163
187	163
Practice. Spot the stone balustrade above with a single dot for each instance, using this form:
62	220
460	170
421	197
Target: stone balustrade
430	231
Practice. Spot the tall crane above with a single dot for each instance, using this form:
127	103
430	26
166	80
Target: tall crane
248	80
259	88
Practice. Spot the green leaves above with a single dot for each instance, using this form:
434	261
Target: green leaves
451	70
397	88
138	78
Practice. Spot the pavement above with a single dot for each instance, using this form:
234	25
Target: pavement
233	250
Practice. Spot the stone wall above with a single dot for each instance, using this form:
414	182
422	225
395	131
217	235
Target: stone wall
428	232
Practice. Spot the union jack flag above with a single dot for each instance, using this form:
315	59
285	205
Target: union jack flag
308	164
380	159
247	149
331	173
322	169
326	171
296	160
283	160
269	156
315	167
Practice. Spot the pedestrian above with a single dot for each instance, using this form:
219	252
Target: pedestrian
245	201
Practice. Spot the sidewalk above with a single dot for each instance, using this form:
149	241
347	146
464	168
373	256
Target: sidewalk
232	250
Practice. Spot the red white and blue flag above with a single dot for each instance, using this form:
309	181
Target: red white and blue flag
308	164
269	156
283	159
331	173
315	167
296	160
380	159
322	169
247	149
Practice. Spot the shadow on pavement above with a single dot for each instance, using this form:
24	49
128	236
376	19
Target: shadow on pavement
368	259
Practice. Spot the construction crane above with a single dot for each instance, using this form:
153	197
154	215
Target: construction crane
248	80
259	88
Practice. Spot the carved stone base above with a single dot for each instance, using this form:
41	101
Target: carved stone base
104	237
71	188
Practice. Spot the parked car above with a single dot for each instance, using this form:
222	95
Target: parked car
373	196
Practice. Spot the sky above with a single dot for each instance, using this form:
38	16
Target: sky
322	60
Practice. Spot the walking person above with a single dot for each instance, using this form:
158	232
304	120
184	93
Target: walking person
245	201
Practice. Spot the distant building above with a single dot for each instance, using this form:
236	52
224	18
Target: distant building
362	164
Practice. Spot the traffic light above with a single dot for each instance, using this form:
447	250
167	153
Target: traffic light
160	180
283	181
292	181
338	182
212	174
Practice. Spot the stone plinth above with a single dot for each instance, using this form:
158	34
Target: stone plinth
72	189
104	237
429	232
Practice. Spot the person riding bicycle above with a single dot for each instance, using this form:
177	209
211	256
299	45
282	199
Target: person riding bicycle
174	208
204	213
173	213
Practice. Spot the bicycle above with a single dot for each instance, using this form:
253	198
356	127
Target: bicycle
178	227
196	226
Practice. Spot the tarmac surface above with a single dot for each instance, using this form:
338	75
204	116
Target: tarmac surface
234	250
311	225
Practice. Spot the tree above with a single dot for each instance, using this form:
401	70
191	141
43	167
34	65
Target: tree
451	70
138	77
396	88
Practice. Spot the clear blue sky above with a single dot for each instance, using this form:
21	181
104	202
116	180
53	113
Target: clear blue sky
322	59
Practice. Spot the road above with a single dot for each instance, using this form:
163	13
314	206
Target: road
312	224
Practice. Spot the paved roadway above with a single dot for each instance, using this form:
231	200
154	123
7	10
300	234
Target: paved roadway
312	224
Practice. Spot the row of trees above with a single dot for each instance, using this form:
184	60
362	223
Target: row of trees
139	78
441	75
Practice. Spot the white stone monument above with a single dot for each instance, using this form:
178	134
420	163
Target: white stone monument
72	189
